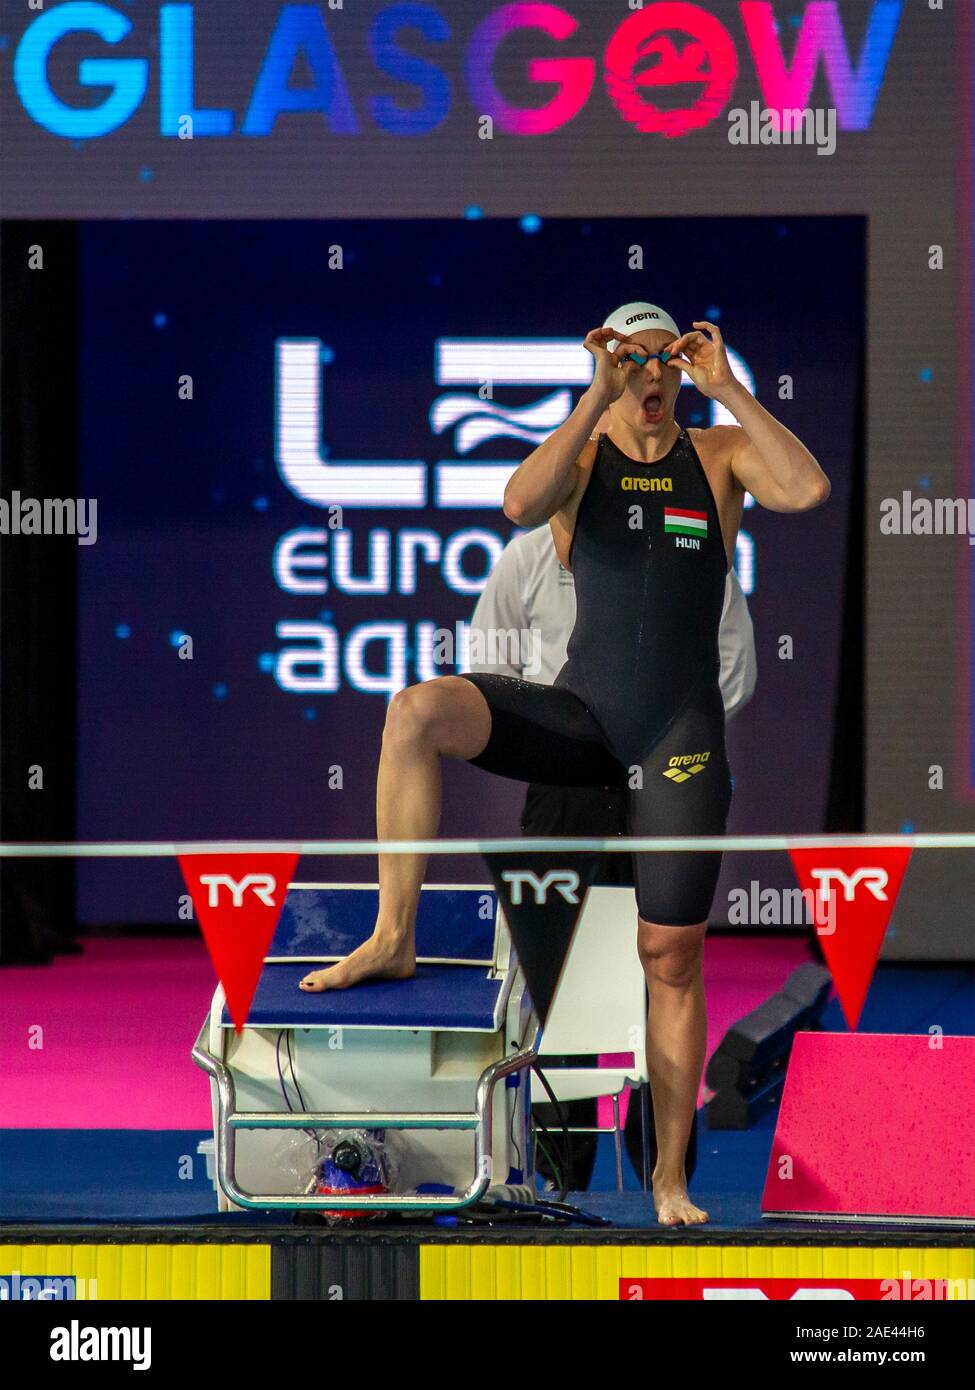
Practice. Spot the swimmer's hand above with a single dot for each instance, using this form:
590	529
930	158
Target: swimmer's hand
704	360
612	368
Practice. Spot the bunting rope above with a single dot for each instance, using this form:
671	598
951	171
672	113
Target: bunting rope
169	849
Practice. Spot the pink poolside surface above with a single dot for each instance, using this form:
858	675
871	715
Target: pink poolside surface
118	1025
119	1021
876	1125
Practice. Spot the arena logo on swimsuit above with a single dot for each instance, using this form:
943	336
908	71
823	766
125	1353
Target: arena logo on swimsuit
669	68
631	484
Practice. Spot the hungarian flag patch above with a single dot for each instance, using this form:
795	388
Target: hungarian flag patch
679	522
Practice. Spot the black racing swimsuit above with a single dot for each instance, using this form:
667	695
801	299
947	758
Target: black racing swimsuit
637	703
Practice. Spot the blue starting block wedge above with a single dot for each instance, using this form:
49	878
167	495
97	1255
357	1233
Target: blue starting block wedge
321	922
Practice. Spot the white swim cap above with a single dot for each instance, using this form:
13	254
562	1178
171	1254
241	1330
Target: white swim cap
637	318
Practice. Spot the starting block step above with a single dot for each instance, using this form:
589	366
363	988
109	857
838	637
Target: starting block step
450	998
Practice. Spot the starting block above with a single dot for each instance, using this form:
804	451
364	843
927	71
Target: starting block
423	1056
875	1127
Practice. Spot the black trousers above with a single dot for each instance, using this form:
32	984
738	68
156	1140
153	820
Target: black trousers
594	812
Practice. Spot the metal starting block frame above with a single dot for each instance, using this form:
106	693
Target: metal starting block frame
467	1000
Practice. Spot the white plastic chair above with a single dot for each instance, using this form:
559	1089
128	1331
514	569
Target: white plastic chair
600	1006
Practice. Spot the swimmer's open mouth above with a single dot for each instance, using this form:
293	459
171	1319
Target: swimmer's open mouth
653	408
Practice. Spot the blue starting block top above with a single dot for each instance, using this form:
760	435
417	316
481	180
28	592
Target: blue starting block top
454	925
451	924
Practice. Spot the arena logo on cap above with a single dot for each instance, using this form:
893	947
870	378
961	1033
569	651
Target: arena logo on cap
670	67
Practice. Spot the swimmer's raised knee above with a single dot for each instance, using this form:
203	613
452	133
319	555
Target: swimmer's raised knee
443	715
411	717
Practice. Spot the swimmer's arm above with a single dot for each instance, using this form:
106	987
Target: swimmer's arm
545	482
768	460
765	458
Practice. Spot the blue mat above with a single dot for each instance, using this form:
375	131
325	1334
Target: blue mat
131	1175
103	1175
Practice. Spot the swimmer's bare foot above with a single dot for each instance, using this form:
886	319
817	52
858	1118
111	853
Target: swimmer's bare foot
382	957
674	1207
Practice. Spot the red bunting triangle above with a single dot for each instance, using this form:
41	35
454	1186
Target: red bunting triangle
861	886
238	899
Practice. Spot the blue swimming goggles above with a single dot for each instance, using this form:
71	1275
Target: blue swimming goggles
641	360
